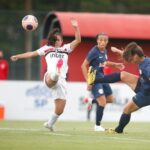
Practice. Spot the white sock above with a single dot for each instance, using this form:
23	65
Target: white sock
54	76
53	119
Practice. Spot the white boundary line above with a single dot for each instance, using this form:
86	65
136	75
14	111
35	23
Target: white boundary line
20	129
61	134
34	130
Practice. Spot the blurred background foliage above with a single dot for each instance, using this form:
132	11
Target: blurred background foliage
12	37
111	6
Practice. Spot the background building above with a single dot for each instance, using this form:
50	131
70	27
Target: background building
121	28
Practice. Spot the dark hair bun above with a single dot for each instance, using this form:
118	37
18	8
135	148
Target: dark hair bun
52	37
56	30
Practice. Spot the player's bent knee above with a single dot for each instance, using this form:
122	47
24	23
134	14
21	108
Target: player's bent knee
49	82
126	110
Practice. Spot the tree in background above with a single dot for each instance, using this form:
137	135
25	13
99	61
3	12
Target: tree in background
109	6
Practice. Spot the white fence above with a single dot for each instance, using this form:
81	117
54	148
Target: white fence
26	100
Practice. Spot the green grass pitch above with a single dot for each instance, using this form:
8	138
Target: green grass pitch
31	135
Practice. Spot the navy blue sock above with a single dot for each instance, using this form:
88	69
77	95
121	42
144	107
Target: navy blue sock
124	120
111	78
99	114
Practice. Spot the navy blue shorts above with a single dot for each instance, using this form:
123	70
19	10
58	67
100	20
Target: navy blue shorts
142	98
100	89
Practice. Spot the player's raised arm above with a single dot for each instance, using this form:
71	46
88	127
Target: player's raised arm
77	40
24	55
116	50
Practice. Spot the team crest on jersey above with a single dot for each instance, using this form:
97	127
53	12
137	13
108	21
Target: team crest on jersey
100	91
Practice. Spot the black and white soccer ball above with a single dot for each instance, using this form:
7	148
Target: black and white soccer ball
29	23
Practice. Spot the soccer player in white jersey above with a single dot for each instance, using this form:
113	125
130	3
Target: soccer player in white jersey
56	57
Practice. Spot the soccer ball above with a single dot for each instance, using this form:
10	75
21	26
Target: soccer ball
29	22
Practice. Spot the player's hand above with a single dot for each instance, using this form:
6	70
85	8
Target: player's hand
74	22
103	64
14	58
120	66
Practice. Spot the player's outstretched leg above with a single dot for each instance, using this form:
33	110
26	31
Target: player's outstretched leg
111	78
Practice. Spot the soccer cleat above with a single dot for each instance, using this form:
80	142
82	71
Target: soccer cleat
91	75
59	65
46	125
99	128
113	131
110	131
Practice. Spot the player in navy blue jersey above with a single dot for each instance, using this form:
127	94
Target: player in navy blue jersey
102	92
132	53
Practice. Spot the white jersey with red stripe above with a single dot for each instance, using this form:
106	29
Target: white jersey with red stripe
52	56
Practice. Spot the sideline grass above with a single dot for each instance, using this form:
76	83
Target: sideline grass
30	135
